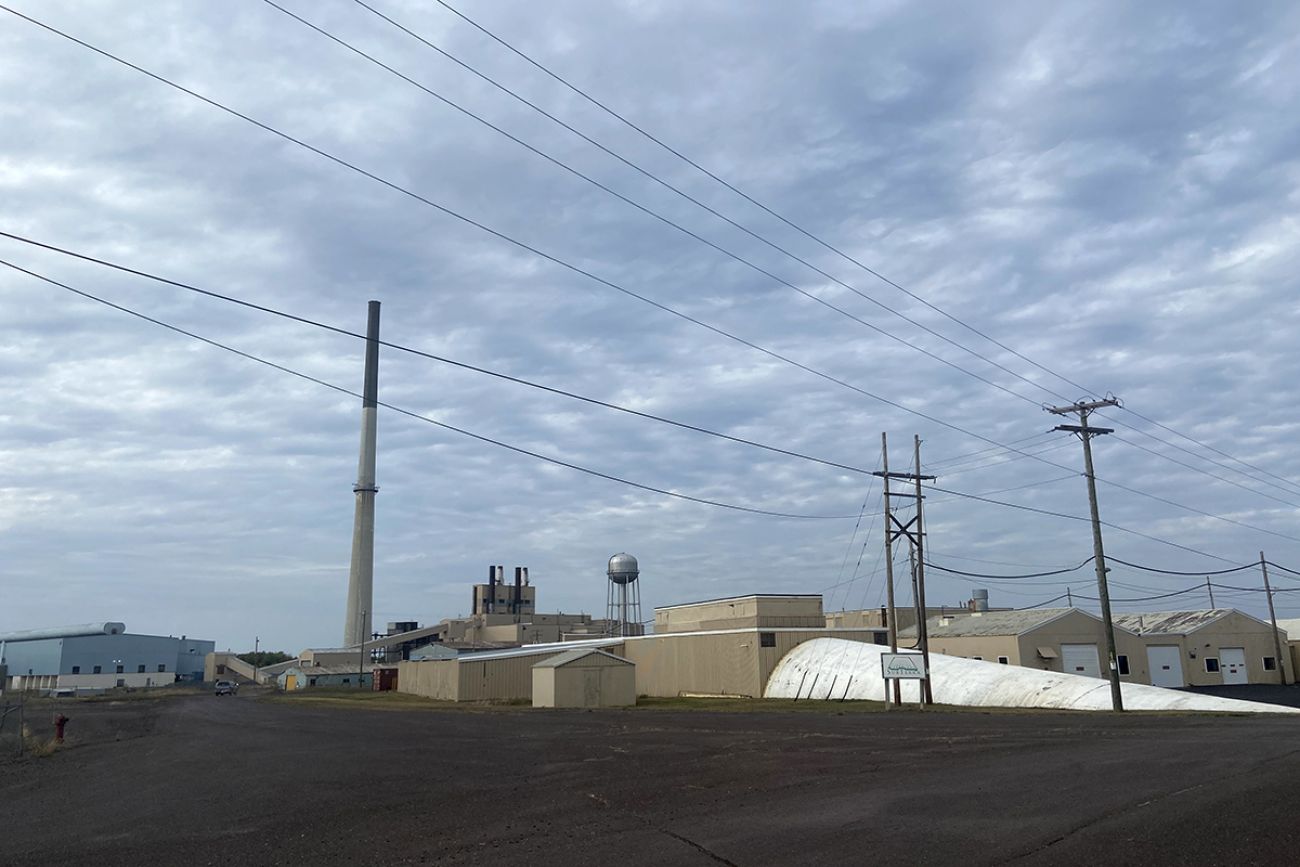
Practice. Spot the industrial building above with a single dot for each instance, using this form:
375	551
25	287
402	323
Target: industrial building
1068	640
906	616
757	611
1171	649
1209	648
734	658
98	656
307	676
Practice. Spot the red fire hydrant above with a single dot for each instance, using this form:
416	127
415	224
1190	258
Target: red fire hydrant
59	722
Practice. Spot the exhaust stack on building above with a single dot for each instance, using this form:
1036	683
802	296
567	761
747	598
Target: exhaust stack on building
361	577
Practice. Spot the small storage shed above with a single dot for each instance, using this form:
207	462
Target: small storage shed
586	677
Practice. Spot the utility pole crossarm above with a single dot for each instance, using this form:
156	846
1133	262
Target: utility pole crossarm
1084	406
1084	429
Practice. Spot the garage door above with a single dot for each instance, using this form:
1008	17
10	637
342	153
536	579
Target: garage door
1080	659
1232	662
1166	666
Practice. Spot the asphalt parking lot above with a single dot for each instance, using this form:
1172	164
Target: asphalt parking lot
206	780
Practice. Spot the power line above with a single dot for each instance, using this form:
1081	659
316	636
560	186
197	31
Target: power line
462	431
439	358
563	263
934	565
1207	473
984	452
1174	572
1043	604
1211	448
804	231
1200	512
983	499
507	238
669	186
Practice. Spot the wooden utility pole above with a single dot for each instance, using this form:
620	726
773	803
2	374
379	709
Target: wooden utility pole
923	625
889	562
1085	433
1272	618
1210	589
895	529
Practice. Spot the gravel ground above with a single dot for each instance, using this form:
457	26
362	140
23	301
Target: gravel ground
208	780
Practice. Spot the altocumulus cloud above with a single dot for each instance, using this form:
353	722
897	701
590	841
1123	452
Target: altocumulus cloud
1111	192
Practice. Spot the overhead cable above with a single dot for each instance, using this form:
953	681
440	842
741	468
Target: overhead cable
438	358
409	413
797	227
575	268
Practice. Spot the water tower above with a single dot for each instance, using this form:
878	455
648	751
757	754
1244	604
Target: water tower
623	600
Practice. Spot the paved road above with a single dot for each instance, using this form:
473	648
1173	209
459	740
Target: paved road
241	781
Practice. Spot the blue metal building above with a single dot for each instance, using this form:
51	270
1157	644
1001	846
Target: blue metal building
98	656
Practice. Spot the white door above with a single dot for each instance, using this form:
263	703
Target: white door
1166	665
1080	659
1232	662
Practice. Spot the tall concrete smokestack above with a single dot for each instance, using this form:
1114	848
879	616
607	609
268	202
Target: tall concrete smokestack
361	578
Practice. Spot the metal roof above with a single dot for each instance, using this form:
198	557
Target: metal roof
561	646
574	655
110	627
314	670
1170	622
993	622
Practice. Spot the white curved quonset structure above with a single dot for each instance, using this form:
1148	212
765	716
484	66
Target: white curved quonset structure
832	668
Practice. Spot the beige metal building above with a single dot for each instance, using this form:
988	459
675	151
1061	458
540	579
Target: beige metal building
1209	648
734	662
739	612
1068	640
1170	648
1291	626
587	677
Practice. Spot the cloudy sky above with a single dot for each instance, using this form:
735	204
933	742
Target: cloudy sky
1110	192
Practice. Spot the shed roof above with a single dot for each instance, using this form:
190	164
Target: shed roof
1171	622
570	656
314	670
1291	625
993	622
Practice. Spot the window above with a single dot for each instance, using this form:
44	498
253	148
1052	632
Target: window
119	669
221	669
977	657
98	669
881	638
161	667
347	680
311	682
1270	663
121	681
1211	664
767	639
1122	662
139	669
1002	660
76	669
